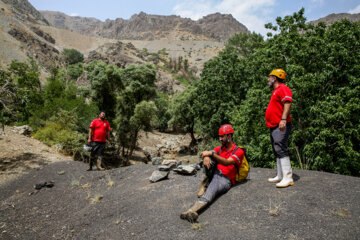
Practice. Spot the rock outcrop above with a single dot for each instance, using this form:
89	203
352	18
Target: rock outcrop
336	17
144	26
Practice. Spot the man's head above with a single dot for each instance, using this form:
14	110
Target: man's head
276	75
102	115
226	134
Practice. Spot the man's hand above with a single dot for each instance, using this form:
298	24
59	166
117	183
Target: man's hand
206	154
282	125
207	162
89	140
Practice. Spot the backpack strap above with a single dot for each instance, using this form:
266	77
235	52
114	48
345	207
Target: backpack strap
237	147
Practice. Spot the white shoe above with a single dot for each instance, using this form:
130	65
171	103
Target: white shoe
279	173
287	173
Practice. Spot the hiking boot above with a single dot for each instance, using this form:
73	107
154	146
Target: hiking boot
91	164
192	215
98	164
279	173
287	173
203	185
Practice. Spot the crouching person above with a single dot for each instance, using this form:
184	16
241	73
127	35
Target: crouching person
220	169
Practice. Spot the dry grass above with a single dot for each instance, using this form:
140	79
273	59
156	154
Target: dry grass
88	196
61	172
342	213
86	186
75	183
111	183
274	209
97	198
198	226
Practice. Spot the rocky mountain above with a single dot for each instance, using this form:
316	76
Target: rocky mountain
25	11
142	26
336	17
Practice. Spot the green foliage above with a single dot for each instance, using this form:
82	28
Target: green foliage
139	87
75	70
59	95
183	113
221	87
28	96
73	56
105	81
162	103
61	129
323	71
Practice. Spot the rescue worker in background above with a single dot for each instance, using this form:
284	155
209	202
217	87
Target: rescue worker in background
99	135
278	119
220	168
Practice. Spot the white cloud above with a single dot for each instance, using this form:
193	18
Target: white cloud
74	14
247	12
355	10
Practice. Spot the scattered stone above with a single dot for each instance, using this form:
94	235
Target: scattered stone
23	130
156	160
185	169
197	166
7	161
158	175
169	162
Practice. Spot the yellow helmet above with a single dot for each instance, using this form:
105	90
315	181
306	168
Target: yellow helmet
278	73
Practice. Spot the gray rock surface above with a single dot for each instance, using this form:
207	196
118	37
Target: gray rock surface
23	130
185	169
158	176
156	160
319	206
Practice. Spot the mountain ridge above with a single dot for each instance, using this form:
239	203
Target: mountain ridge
144	26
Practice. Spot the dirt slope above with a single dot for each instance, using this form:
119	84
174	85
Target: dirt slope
318	206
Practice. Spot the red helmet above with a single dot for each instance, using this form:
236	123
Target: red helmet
226	129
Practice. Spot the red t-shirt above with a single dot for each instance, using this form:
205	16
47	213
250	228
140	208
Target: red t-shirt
100	129
275	109
230	170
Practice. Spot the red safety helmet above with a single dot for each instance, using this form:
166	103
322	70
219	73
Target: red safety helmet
226	129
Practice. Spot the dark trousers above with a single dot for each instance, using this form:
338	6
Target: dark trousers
279	140
97	149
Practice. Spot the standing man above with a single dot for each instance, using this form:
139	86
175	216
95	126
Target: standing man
278	119
225	160
99	135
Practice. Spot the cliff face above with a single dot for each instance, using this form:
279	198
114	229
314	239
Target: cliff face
329	19
144	26
25	11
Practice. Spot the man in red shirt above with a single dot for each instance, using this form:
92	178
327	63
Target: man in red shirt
224	160
99	130
278	119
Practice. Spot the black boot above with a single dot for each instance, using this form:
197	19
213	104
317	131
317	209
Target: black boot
91	164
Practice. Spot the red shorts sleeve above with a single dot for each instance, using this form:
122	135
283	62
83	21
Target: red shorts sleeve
238	156
285	95
92	124
108	126
217	149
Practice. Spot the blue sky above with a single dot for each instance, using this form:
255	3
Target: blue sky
252	13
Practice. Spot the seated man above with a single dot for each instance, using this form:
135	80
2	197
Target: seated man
220	168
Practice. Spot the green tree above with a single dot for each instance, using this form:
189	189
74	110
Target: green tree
139	87
72	56
28	97
105	82
183	114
